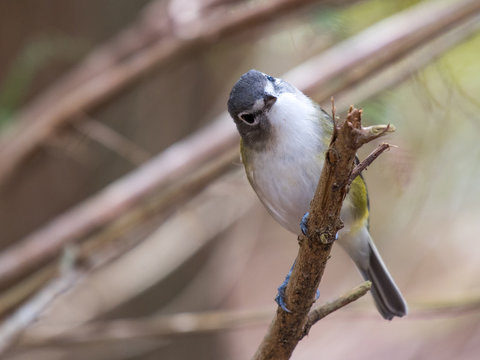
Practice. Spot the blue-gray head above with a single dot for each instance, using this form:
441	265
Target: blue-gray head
250	101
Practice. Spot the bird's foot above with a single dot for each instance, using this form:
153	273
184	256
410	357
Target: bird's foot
303	223
280	298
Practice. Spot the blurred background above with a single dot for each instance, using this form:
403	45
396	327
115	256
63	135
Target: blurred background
128	229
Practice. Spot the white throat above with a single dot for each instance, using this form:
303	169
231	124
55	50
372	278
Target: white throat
285	173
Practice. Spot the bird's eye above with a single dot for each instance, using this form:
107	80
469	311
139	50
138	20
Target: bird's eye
248	118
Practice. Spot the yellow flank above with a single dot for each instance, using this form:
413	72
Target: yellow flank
248	167
359	200
242	152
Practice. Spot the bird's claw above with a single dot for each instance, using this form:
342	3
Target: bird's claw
304	226
280	298
303	223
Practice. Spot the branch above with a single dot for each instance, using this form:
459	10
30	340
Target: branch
319	313
323	224
368	160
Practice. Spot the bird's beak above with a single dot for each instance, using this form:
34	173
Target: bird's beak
269	100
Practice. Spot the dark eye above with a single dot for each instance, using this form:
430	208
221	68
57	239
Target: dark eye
248	118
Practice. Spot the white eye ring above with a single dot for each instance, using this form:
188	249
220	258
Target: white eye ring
247	118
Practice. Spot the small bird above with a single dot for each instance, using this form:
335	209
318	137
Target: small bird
284	137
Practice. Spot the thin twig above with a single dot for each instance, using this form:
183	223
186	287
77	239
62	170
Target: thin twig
112	140
368	160
320	312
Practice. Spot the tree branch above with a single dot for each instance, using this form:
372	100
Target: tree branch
323	225
368	160
319	313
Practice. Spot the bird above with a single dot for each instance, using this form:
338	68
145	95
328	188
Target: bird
284	138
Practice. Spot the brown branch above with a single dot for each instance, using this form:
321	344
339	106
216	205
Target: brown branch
368	160
323	224
319	313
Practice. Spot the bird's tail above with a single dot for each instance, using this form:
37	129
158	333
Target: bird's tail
362	250
388	299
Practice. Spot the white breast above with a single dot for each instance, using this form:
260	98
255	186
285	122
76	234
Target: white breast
285	174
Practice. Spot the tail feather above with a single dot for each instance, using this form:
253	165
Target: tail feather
388	299
362	250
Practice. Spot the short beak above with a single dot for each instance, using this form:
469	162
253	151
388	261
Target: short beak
269	100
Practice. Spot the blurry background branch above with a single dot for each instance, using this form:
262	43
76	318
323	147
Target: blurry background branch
185	323
179	324
14	325
153	41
